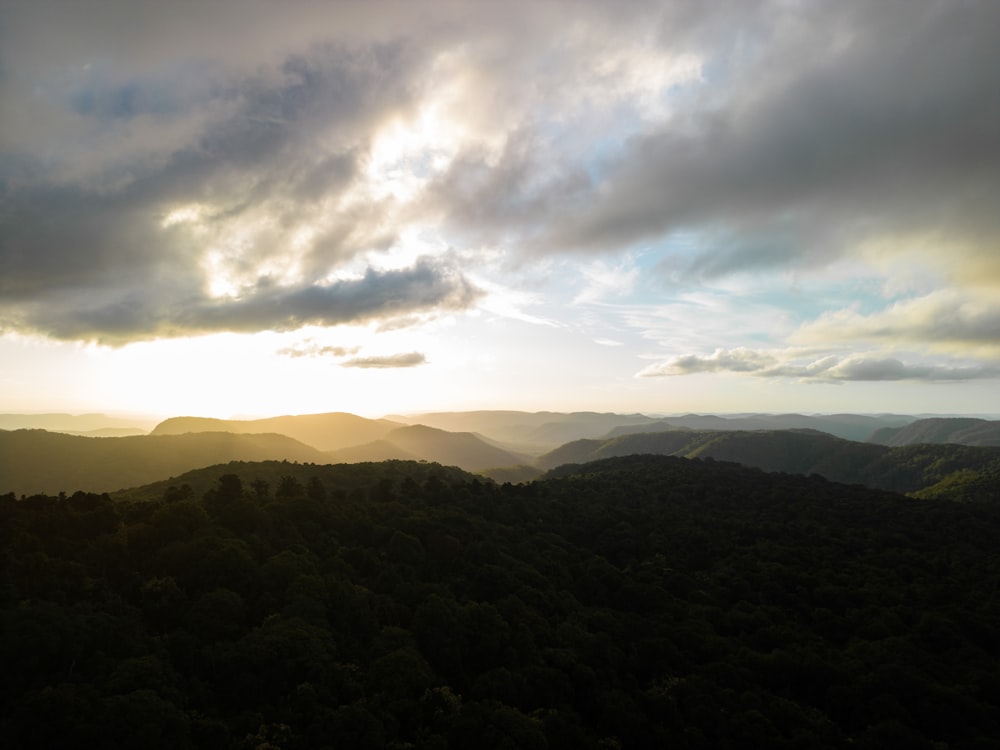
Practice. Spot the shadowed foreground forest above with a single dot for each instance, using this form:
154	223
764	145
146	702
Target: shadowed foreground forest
635	602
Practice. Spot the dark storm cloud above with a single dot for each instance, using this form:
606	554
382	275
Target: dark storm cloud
134	315
427	285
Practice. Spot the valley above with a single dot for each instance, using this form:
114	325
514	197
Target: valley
956	458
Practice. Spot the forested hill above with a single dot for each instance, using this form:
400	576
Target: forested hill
38	461
284	479
954	472
961	430
637	602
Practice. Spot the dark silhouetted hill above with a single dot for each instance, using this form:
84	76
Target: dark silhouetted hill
33	461
959	430
325	432
266	477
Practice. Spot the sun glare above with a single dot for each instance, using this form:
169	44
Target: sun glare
408	150
406	153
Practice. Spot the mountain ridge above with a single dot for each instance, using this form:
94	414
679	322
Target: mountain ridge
527	431
940	430
325	431
39	461
949	471
859	427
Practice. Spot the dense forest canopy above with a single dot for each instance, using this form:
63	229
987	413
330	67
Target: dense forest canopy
635	602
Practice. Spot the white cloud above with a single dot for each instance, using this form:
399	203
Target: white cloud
944	319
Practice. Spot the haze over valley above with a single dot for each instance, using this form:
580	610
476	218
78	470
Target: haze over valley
506	445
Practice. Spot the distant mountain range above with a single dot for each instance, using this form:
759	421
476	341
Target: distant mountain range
325	432
953	471
96	425
499	445
529	432
963	431
848	426
419	442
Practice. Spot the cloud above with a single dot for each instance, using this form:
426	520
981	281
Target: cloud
605	280
877	368
256	217
264	167
721	360
831	368
426	286
943	319
409	359
315	350
838	123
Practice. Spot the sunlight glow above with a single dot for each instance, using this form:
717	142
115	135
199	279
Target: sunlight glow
188	214
405	154
218	282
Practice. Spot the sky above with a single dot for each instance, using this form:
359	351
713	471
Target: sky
249	208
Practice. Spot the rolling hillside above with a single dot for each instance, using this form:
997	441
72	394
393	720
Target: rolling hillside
36	461
959	430
950	471
325	432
